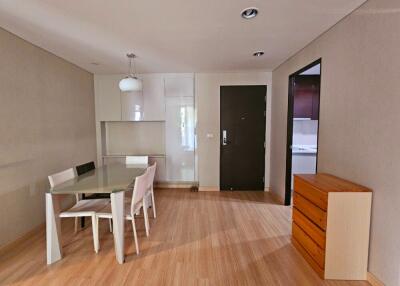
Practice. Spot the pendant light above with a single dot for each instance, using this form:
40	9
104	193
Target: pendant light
130	82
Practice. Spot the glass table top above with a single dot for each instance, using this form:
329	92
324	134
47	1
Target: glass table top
106	179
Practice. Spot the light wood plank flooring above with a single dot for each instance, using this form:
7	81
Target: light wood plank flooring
206	238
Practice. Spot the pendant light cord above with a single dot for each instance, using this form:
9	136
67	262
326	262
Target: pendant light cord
132	58
134	68
130	66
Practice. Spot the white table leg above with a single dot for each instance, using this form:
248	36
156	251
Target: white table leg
53	229
117	208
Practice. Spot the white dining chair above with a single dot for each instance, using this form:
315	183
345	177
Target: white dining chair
137	160
82	208
150	186
138	201
149	195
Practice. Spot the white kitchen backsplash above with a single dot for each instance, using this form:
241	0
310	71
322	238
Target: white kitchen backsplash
305	132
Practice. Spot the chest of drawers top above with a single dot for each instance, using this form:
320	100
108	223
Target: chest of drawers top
316	187
328	183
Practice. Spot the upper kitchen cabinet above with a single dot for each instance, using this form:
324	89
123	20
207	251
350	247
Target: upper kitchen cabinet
132	106
145	105
181	85
107	97
306	101
153	97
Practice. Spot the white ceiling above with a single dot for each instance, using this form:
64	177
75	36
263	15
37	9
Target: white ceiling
171	35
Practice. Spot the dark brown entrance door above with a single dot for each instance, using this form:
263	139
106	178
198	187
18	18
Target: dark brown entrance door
242	155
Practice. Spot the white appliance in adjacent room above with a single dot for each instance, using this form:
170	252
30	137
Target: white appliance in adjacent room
304	148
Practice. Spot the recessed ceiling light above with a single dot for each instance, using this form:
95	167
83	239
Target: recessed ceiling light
249	13
258	53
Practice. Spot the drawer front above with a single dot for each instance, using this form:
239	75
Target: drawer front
320	271
313	231
317	254
311	211
311	193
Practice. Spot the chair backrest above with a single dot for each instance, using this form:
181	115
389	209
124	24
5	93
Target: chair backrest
139	160
61	177
152	173
139	190
84	168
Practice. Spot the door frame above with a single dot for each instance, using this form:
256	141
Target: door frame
289	137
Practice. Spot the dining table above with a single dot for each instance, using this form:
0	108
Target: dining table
113	179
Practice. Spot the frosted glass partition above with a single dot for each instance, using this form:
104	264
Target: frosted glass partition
180	138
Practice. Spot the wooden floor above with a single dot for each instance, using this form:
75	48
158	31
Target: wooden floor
206	238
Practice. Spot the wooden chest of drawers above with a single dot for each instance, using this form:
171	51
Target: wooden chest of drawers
331	220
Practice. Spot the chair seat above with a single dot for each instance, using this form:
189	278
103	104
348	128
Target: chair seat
106	212
85	208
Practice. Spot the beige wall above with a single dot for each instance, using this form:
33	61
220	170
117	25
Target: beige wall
359	123
207	87
47	125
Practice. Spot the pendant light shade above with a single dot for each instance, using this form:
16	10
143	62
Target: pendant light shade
130	82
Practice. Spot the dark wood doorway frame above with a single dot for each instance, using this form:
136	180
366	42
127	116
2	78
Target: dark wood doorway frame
289	138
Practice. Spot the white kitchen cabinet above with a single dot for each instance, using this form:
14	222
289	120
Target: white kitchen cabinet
180	140
132	106
107	97
145	105
153	97
165	98
179	127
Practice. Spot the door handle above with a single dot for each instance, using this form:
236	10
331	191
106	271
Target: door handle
224	140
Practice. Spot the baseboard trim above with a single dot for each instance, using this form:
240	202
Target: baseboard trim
9	246
172	186
371	278
216	189
208	189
